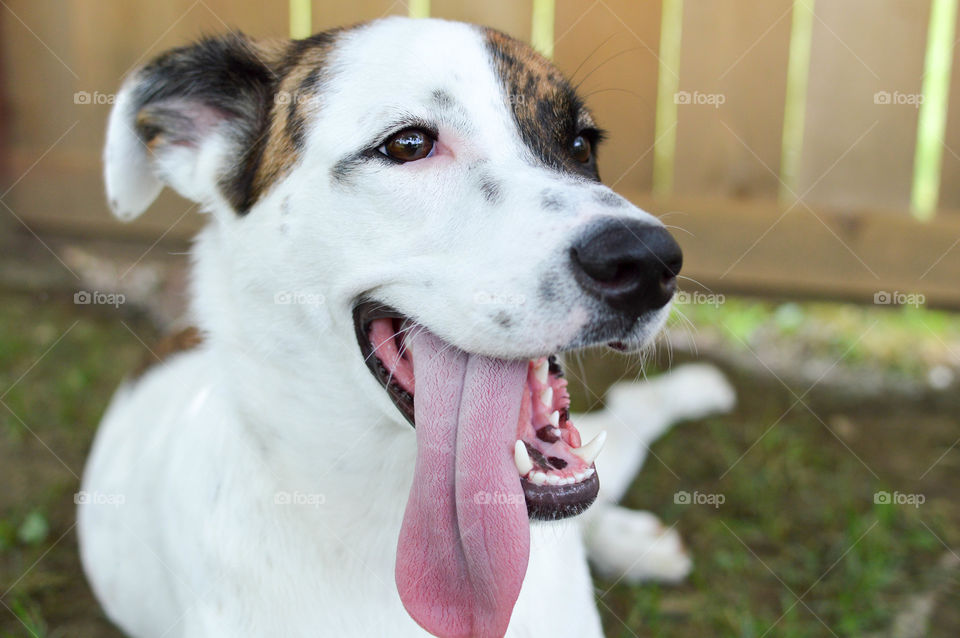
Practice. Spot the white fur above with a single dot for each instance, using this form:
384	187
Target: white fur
278	401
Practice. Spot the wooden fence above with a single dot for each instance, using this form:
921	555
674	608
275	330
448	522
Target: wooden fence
780	135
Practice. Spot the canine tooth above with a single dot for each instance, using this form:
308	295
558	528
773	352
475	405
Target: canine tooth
522	458
538	478
540	372
555	418
579	476
588	472
553	479
546	397
591	450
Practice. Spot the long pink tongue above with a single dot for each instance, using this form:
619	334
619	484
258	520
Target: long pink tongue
465	538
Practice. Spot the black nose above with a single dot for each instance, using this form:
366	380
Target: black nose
630	265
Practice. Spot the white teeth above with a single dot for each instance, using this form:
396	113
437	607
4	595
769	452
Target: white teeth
553	479
591	450
568	481
579	476
521	458
588	472
538	478
540	372
546	397
555	418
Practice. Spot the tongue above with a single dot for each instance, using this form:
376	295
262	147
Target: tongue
465	538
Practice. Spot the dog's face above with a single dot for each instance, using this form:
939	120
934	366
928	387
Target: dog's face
441	169
435	186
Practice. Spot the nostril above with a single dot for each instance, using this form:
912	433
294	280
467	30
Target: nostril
668	284
631	266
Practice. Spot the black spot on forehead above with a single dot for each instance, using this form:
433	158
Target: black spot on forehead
345	169
552	200
608	198
503	319
546	109
442	98
492	189
551	287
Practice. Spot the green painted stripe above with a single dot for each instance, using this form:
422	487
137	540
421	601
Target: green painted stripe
300	26
932	117
795	103
668	84
541	31
419	9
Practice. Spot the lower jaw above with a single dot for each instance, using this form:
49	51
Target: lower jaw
544	501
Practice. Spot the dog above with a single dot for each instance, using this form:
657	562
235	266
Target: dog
407	228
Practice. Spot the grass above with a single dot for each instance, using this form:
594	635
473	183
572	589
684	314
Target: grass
798	519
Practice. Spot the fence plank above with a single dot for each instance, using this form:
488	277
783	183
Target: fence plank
818	254
510	16
610	49
950	175
858	152
734	52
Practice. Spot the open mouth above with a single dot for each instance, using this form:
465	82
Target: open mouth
495	447
556	470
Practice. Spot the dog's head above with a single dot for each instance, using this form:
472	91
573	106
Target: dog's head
429	192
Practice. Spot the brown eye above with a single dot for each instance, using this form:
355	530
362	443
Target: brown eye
580	149
408	145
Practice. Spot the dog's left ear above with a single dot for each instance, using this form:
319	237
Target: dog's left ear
195	118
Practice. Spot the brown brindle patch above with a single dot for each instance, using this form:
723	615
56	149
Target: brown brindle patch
186	339
548	112
302	75
260	87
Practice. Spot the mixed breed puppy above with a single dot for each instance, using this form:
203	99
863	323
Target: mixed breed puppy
407	226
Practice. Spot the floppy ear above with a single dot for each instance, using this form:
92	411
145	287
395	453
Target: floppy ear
196	119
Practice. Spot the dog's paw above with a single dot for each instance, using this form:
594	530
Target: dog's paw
631	546
689	391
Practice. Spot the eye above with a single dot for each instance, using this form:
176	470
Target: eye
408	145
580	149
